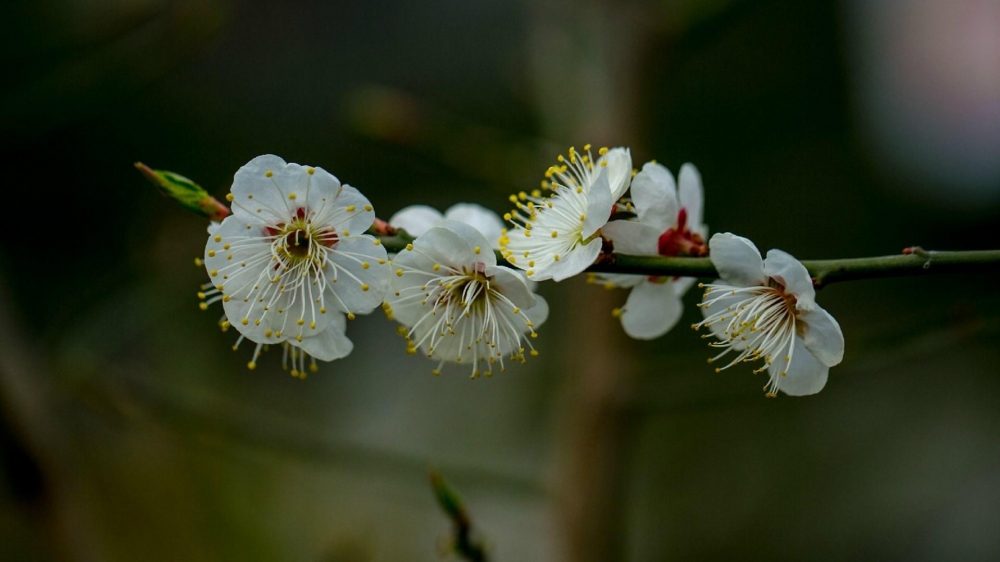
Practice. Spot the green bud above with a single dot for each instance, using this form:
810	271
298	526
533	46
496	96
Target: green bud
190	195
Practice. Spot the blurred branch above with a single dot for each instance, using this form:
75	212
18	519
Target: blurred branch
463	544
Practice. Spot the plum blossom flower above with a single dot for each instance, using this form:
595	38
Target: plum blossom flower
418	219
668	223
556	235
457	305
293	260
766	310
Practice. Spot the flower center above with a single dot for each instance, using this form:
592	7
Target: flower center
680	241
757	323
297	243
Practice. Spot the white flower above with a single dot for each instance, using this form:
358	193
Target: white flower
458	304
418	219
668	223
766	310
293	259
556	236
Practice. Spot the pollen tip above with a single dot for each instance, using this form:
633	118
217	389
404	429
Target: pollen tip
351	316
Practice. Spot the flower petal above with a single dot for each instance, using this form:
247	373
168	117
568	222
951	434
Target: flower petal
651	310
599	205
573	263
655	196
416	219
805	374
690	194
482	219
539	313
737	260
631	237
481	248
823	336
358	289
350	211
621	280
329	344
682	284
321	186
444	246
264	188
511	285
790	272
619	170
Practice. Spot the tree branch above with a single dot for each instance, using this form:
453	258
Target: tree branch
913	261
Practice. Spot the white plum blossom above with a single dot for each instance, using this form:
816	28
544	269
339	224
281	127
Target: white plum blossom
293	260
668	223
766	310
556	235
457	305
418	219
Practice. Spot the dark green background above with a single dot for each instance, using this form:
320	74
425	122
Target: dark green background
130	431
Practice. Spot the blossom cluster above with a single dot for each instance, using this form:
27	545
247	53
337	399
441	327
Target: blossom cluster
296	260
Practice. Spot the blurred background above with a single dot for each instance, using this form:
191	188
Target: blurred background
130	431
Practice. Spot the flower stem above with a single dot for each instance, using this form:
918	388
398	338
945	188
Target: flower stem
913	261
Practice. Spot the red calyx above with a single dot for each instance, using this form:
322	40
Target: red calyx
680	241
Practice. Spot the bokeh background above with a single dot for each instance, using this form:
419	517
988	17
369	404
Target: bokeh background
130	431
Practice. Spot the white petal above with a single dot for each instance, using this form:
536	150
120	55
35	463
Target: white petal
512	285
655	196
651	310
823	336
539	313
576	261
633	238
621	280
345	263
474	239
690	194
599	205
619	170
262	189
480	218
805	374
682	284
444	246
356	220
416	219
329	344
237	279
737	260
790	272
322	186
